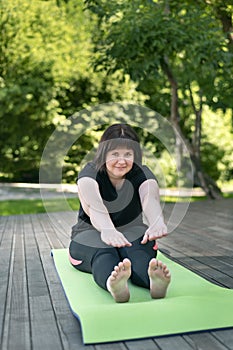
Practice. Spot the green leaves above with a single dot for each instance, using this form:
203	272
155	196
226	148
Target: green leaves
170	48
45	77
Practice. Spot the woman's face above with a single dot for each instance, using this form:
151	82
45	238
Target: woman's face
119	162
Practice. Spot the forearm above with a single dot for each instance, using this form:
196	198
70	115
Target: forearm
100	219
152	210
150	201
93	205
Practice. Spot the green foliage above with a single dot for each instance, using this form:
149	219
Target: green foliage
141	37
45	77
32	38
217	155
47	53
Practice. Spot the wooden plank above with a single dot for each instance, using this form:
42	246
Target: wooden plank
202	243
111	346
18	329
214	268
3	223
142	344
68	326
65	220
58	227
6	275
225	336
205	341
173	342
50	231
44	329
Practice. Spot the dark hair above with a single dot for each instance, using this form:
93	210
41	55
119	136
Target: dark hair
117	136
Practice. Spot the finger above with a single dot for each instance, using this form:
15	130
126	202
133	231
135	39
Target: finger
122	243
125	242
145	239
160	234
152	236
128	243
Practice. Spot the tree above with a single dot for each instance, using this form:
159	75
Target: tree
45	77
27	94
172	45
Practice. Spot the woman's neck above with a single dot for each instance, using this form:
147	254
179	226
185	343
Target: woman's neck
117	182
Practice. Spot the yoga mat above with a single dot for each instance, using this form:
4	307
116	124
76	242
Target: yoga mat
192	304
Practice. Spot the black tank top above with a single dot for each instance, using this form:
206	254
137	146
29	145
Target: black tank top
123	205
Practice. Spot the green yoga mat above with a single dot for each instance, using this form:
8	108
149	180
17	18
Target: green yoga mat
192	304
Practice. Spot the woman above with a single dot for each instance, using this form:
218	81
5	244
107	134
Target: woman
111	240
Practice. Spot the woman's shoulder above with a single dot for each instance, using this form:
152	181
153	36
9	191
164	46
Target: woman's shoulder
148	172
142	171
139	174
89	170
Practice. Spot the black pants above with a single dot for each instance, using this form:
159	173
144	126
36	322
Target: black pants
101	261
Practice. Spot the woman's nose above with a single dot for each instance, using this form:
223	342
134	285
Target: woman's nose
121	160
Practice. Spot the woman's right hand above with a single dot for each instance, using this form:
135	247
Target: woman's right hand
114	238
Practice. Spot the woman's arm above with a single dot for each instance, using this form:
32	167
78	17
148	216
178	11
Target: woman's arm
92	203
150	200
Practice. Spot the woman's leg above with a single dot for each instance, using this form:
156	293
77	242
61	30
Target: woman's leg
101	262
83	247
140	256
102	265
108	271
147	271
80	256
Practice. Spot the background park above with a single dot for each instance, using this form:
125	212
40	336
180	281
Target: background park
59	58
68	69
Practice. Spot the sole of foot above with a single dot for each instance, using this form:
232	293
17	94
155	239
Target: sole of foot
117	283
160	278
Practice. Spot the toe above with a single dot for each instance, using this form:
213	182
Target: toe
121	266
160	264
114	274
153	263
127	263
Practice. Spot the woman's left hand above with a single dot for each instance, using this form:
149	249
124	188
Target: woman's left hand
154	232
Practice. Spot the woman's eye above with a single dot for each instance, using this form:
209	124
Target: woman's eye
118	155
128	155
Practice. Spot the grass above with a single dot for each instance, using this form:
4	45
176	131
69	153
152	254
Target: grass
35	206
174	199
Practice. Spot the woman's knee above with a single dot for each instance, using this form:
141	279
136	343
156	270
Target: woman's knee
102	265
80	256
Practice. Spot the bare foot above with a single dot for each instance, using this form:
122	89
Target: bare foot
117	282
159	278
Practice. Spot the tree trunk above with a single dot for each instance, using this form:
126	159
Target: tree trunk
227	25
208	184
205	182
174	116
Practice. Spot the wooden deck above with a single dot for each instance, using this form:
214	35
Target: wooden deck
34	313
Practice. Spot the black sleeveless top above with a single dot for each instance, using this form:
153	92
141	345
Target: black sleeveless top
123	205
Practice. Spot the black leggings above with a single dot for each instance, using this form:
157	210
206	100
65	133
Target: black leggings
101	261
